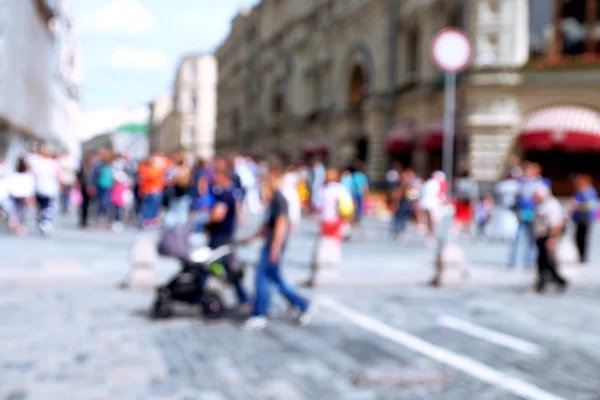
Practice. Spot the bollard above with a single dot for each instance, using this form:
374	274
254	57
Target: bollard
329	257
142	263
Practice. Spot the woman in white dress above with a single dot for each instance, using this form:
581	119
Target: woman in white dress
504	223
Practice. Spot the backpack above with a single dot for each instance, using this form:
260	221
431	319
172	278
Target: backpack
346	207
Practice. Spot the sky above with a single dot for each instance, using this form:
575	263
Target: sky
130	49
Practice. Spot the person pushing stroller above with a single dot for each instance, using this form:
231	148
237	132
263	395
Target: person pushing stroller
189	284
221	228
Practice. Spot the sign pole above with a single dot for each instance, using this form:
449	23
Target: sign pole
451	50
449	123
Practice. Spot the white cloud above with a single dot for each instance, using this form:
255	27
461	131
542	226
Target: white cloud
125	57
100	121
119	17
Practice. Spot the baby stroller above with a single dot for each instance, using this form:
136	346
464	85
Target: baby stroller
196	257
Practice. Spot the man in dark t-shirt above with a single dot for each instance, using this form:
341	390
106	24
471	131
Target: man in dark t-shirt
275	232
222	225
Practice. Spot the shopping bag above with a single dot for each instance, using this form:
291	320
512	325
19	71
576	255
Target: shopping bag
566	251
75	197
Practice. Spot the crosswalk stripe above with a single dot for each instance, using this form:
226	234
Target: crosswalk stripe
467	365
491	336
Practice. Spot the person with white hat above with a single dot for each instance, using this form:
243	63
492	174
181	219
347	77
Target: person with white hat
547	228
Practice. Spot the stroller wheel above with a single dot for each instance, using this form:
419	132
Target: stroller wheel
212	306
162	305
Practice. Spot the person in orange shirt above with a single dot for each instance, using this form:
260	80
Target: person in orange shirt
152	185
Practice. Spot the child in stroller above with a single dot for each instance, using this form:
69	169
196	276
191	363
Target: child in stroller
199	263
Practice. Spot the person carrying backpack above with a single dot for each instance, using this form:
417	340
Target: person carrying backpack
103	181
335	206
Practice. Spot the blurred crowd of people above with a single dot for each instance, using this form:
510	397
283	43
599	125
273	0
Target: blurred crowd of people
112	191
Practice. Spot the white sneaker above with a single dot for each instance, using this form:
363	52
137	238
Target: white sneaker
255	323
46	227
305	317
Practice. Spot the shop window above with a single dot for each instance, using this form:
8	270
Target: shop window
564	27
560	167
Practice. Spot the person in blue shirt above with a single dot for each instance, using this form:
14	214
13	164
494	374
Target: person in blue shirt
360	191
525	208
583	206
221	227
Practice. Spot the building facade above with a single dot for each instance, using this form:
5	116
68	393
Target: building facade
348	80
159	135
194	107
39	99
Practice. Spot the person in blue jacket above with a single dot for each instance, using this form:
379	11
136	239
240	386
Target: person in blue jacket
525	208
583	205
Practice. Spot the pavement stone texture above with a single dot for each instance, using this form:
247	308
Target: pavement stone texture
67	331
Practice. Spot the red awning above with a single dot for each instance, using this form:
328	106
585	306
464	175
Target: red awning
433	139
401	138
567	128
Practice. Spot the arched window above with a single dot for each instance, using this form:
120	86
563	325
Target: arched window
278	108
358	84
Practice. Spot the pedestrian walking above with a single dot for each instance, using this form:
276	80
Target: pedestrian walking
335	206
583	207
221	228
5	203
47	187
503	224
180	182
360	191
403	200
86	186
547	228
152	185
21	187
275	232
525	207
430	202
103	181
466	194
68	176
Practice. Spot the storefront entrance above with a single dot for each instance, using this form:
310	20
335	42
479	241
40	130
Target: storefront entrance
564	140
560	167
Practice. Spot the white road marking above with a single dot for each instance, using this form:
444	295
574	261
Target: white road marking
467	365
491	336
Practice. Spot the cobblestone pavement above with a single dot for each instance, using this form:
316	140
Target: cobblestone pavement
69	332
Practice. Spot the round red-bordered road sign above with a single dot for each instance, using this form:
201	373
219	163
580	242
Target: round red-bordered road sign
451	50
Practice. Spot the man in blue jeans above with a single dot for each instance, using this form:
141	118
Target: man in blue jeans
275	230
526	207
221	227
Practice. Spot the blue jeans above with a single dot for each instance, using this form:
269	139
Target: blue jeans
524	233
44	208
151	204
103	201
358	208
401	216
65	199
269	272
